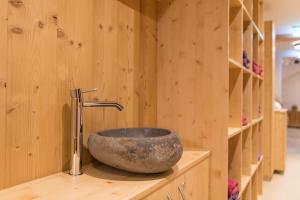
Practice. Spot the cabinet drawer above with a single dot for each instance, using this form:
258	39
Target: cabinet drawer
161	194
192	185
197	182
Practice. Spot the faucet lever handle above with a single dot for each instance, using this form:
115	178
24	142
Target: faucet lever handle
91	90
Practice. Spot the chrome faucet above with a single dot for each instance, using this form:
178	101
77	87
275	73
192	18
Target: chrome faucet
77	106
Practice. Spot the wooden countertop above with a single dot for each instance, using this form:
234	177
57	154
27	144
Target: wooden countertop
100	182
281	110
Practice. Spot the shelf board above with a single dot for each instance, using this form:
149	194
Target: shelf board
234	131
233	64
247	179
259	197
247	71
247	126
248	18
235	3
256	30
254	167
257	120
257	76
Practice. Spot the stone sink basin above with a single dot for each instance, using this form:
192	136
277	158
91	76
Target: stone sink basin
138	150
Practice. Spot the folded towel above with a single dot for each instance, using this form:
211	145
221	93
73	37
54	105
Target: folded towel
246	61
244	121
232	188
234	197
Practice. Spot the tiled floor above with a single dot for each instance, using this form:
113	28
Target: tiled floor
287	186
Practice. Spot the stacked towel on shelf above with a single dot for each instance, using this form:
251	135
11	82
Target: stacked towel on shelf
244	121
246	60
233	190
257	69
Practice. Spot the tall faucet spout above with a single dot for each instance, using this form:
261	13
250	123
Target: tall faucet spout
103	104
77	105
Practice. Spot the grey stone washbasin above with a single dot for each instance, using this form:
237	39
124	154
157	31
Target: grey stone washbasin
138	150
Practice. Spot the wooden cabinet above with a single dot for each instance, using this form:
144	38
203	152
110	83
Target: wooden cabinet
192	185
161	194
294	119
280	140
188	180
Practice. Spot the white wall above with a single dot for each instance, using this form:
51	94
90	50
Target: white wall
284	71
291	90
278	77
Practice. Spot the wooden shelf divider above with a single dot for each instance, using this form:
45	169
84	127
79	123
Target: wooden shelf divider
246	97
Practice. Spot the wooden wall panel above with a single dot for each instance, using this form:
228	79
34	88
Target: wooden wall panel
115	62
3	80
74	64
269	98
193	81
32	149
147	77
55	46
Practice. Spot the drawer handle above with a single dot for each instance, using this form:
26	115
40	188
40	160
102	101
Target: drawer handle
181	192
169	196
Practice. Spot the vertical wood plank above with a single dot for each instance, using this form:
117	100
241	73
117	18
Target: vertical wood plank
147	77
269	97
22	55
193	81
74	65
116	61
31	102
3	81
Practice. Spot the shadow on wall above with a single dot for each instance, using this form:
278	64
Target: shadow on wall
142	7
102	171
66	136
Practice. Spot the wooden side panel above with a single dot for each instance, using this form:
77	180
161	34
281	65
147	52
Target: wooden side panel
3	83
247	152
235	167
193	81
269	74
280	140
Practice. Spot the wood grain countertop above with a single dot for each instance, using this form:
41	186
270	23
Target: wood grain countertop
100	182
281	110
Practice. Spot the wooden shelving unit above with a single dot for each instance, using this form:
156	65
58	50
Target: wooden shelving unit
246	97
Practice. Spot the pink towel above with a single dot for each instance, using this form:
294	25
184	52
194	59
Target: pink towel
244	121
232	187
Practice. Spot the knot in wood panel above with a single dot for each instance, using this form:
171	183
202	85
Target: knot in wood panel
16	30
55	19
60	33
16	3
41	24
3	84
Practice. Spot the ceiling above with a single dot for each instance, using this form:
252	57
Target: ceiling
285	14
